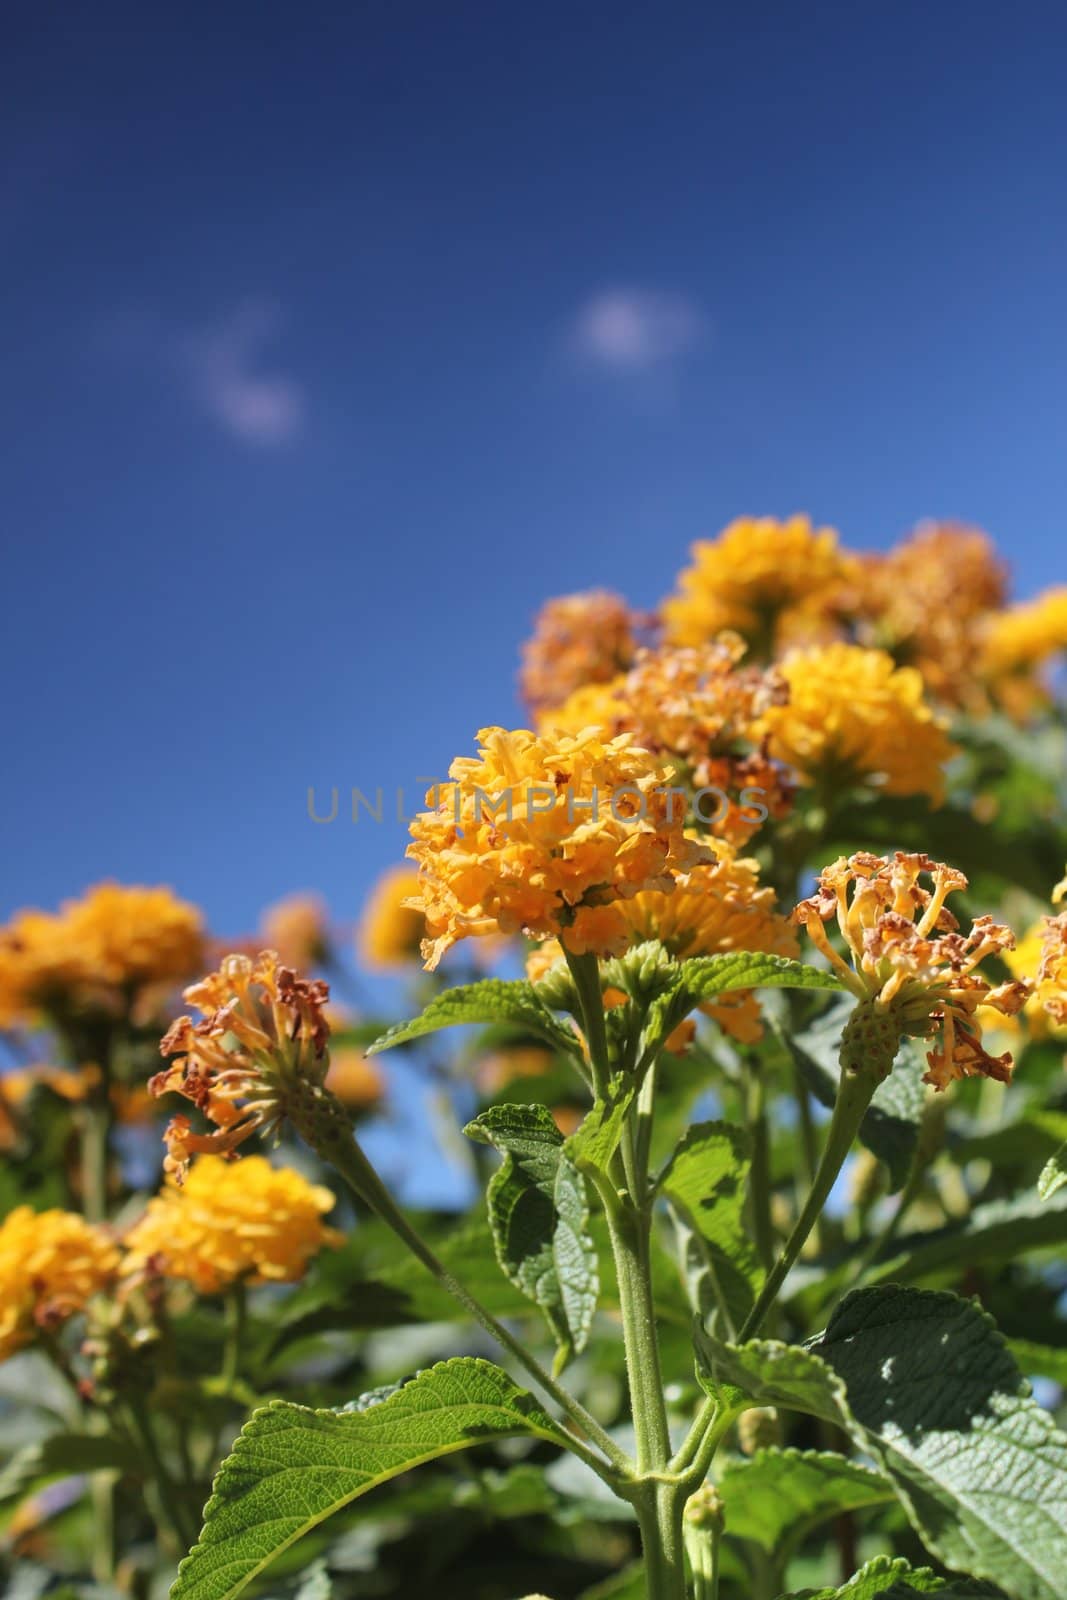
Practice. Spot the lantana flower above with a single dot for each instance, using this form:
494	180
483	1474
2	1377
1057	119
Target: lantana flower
853	717
257	1051
699	708
51	1265
911	968
546	835
772	582
1017	644
578	639
250	1222
298	927
94	953
1051	985
390	931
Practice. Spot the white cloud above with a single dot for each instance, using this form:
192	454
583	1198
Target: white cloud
225	368
637	330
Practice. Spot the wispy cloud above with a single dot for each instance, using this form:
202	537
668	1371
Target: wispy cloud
225	368
637	331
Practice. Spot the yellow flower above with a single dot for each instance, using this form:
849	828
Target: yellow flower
910	960
927	599
547	835
298	928
1051	988
354	1079
259	1049
699	709
578	639
390	932
852	716
772	582
229	1222
94	951
1017	643
51	1264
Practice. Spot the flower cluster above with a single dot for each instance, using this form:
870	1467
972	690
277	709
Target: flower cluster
298	928
578	639
95	953
925	600
915	973
775	583
698	708
250	1223
51	1265
391	932
851	716
260	1042
1015	647
547	836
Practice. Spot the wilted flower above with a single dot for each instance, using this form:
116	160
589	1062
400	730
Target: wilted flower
51	1264
258	1050
926	600
578	639
853	717
546	835
94	953
298	927
1051	987
390	931
772	582
229	1223
911	968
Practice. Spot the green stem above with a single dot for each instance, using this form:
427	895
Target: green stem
659	1516
888	1233
854	1095
585	970
759	1188
96	1139
236	1322
343	1152
170	1507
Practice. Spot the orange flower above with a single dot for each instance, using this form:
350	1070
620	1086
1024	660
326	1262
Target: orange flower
910	960
578	639
390	930
51	1265
354	1079
298	928
547	835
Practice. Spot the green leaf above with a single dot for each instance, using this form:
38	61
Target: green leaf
592	1146
886	1578
539	1215
64	1455
292	1467
924	1385
705	976
890	1128
1000	1230
491	1000
705	1185
1040	1360
778	1496
1053	1174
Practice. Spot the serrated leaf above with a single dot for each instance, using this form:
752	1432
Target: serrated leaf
491	1000
1053	1174
592	1146
705	976
889	1578
705	1185
890	1127
924	1385
539	1215
778	1496
292	1467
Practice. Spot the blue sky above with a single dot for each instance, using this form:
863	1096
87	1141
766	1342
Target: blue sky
338	337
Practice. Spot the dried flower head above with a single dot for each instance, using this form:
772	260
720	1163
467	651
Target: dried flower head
852	717
925	600
390	931
257	1051
916	974
51	1265
772	582
1051	986
547	835
251	1223
96	952
578	639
